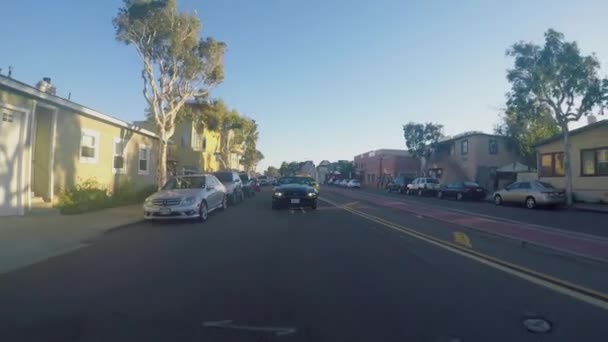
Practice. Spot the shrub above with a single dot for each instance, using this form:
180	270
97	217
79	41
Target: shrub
90	196
86	196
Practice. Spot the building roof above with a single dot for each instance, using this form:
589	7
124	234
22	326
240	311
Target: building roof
385	152
467	134
583	129
60	101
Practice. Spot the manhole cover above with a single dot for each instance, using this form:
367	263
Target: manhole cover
537	325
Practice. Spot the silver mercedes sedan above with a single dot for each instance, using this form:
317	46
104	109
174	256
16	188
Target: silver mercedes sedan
186	197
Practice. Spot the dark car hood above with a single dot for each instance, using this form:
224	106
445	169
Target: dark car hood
294	187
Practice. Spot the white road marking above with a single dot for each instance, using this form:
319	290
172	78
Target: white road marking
227	324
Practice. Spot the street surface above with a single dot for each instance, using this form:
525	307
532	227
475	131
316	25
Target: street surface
359	268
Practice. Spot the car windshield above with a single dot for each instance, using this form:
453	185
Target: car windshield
294	180
185	183
224	176
471	184
244	178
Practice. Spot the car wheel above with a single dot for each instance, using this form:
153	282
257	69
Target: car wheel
420	192
313	206
440	195
497	200
530	203
203	212
459	196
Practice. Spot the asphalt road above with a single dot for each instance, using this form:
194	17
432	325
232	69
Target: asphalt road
561	218
327	275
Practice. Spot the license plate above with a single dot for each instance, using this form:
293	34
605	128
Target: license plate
165	211
295	201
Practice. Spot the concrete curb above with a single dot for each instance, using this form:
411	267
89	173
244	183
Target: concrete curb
122	226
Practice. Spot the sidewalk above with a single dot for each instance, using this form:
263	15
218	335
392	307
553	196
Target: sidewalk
32	238
596	208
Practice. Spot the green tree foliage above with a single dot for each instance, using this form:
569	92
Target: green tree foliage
421	139
272	171
556	78
177	65
238	134
289	169
346	168
523	131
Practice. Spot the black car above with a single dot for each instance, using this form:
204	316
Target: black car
462	190
399	184
294	192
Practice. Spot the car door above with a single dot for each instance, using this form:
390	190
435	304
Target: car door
523	191
211	191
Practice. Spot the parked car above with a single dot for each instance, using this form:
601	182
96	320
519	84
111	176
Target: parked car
263	181
247	184
462	190
531	194
399	184
353	184
185	197
422	186
343	183
294	192
233	184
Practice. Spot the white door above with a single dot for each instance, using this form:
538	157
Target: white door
11	155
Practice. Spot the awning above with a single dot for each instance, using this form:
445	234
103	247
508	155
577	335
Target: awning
515	167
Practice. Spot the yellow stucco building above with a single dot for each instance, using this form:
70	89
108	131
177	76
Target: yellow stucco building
48	144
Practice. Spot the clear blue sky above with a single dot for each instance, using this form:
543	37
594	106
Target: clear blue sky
326	79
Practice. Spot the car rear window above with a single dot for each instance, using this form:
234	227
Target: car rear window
471	184
546	185
224	176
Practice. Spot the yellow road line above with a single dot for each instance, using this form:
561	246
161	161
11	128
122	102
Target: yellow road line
572	290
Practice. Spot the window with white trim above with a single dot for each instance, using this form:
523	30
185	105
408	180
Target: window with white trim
89	146
143	167
118	155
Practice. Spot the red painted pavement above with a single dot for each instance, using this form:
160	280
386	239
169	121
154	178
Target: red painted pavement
529	233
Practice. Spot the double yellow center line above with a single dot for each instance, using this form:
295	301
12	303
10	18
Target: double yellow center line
572	290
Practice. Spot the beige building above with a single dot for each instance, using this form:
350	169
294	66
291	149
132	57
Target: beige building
193	147
589	153
471	156
48	144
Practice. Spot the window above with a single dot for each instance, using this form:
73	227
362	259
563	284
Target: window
524	186
118	155
594	162
89	146
552	164
144	160
493	146
464	147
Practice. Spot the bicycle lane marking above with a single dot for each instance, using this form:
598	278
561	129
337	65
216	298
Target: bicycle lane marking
596	250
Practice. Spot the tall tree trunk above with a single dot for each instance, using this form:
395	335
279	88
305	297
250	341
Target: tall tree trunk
567	165
161	170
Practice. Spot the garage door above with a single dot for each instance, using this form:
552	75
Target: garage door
10	161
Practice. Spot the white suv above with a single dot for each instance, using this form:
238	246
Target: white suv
422	186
